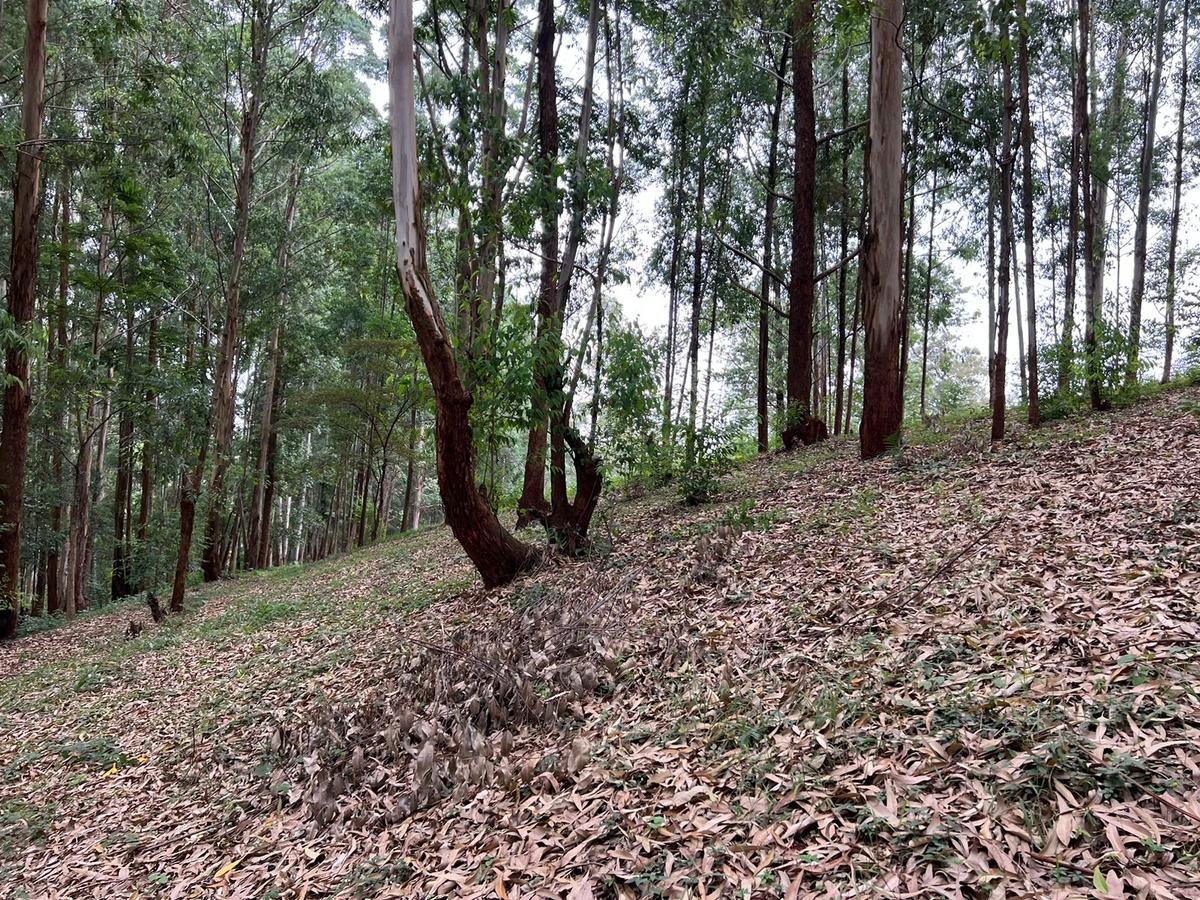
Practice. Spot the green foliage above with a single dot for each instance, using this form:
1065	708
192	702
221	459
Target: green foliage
716	454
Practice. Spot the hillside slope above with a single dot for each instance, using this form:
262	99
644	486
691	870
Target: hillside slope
960	673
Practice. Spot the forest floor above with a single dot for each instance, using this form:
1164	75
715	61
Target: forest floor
955	672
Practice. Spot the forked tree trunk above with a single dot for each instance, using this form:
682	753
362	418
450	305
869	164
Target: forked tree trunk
497	555
882	413
1145	188
1173	239
802	424
27	187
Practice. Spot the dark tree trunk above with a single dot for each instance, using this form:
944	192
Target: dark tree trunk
803	425
1035	415
843	271
497	555
22	294
1091	335
764	306
1004	268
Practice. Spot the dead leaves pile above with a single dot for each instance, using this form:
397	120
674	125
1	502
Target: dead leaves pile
967	672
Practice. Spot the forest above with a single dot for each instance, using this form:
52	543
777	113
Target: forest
220	356
423	402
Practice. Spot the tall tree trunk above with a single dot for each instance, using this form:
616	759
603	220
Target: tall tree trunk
225	375
56	589
1004	267
496	554
843	270
22	294
1109	128
1173	237
1092	321
122	580
882	397
1016	304
532	504
146	501
1035	414
1145	188
260	509
764	306
928	294
693	359
1079	101
991	279
803	425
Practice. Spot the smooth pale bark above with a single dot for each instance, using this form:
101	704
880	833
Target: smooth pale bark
802	424
1109	126
1173	238
496	554
991	279
1145	188
1031	353
22	295
882	397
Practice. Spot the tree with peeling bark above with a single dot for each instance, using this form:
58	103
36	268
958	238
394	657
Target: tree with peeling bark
882	396
497	555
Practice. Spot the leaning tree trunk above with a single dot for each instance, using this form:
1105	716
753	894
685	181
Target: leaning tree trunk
497	555
1173	239
803	425
22	295
1145	187
882	414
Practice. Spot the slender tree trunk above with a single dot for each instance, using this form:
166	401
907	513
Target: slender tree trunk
882	396
532	504
1079	100
497	555
1004	267
22	294
838	424
225	375
1035	415
1092	322
1109	129
928	294
146	501
122	581
1016	304
802	425
764	306
991	278
1145	188
56	591
693	359
1173	236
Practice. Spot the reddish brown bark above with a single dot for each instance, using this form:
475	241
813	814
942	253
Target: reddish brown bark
882	398
14	439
